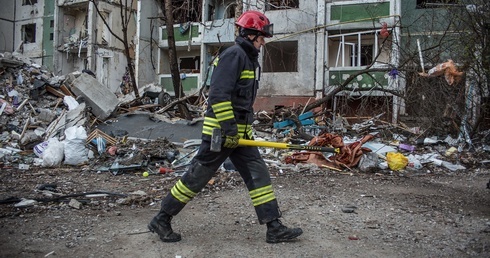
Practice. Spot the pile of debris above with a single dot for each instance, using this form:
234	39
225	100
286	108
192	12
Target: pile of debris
51	121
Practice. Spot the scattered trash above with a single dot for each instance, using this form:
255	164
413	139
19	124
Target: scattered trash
368	162
414	162
75	204
451	151
349	209
448	69
25	203
54	153
396	161
74	146
54	121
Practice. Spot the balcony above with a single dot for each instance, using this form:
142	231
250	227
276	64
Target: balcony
190	81
186	35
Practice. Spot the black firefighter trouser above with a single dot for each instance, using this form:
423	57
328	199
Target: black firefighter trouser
247	161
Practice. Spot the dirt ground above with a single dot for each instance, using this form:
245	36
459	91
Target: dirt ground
385	214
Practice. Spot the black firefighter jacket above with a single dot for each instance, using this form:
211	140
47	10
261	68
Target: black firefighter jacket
233	89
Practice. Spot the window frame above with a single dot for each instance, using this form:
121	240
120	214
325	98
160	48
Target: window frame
283	4
24	33
288	52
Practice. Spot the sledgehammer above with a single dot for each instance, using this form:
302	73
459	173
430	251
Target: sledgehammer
216	141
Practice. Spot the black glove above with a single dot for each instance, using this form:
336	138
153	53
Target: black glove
231	141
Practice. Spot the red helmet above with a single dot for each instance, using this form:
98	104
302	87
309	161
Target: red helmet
254	20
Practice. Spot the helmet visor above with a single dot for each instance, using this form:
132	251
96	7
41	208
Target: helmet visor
268	30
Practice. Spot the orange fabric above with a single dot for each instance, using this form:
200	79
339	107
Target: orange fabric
448	69
349	155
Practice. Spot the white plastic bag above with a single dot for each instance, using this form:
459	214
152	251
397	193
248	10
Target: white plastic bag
368	161
53	153
71	102
75	151
39	148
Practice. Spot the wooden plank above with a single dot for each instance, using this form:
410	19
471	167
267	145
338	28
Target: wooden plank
55	92
66	91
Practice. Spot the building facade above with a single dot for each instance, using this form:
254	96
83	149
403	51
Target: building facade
317	44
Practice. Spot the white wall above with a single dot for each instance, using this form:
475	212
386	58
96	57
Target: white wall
110	68
29	14
7	15
69	23
222	30
294	24
146	50
301	83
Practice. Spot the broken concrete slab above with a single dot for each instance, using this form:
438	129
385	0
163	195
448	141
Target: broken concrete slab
142	126
76	116
102	101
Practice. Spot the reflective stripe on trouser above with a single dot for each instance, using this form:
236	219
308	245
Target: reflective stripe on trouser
247	161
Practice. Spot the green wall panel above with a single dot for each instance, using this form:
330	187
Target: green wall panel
352	12
364	81
194	29
189	83
48	30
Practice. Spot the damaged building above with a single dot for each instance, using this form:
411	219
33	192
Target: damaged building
317	46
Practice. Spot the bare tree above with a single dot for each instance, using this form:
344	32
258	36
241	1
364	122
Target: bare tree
126	12
460	32
172	53
471	21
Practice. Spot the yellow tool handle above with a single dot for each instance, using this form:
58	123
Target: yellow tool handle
280	145
277	145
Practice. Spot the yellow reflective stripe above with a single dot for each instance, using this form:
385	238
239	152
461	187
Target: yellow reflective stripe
225	115
260	191
245	129
242	127
222	107
223	110
263	199
247	74
207	130
262	195
208	125
182	193
211	122
216	60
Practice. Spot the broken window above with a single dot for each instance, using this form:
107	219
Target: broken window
364	55
223	9
187	11
29	2
434	3
189	64
210	12
230	11
354	49
281	4
281	57
106	33
29	33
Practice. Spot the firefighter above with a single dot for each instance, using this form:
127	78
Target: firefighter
232	93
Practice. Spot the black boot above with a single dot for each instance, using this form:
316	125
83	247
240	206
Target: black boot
160	224
277	232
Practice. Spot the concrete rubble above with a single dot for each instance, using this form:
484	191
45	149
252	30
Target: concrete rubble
74	121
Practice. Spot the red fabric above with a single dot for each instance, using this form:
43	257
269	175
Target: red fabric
348	156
